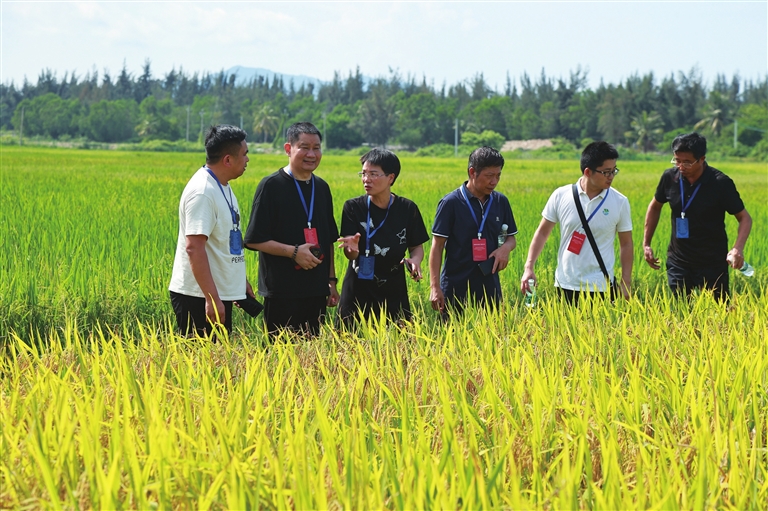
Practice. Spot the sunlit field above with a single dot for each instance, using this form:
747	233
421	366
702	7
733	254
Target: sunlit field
651	403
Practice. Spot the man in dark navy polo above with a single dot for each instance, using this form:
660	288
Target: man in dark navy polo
468	224
698	196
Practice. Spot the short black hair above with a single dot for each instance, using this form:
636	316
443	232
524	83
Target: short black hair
221	140
596	153
485	157
690	143
387	160
295	131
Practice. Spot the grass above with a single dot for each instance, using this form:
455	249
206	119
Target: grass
653	403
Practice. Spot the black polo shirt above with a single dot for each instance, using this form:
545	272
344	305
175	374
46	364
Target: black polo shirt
454	221
707	245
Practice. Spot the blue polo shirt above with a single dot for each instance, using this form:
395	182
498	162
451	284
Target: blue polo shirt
453	221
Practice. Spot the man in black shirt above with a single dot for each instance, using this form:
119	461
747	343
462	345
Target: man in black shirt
293	228
698	196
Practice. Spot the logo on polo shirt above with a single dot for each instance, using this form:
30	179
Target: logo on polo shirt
605	211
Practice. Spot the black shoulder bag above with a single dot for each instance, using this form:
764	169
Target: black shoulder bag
614	289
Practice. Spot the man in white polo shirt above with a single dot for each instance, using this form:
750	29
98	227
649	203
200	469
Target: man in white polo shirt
209	267
607	213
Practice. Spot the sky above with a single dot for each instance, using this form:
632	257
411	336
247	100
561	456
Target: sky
445	42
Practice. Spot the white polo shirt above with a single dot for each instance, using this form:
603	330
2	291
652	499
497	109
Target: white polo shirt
581	272
204	210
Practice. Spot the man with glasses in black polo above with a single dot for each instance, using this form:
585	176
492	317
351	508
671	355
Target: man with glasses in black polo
698	196
606	211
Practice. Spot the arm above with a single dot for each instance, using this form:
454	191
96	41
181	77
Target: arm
417	256
534	251
436	296
651	221
350	244
304	257
736	255
201	269
627	258
501	254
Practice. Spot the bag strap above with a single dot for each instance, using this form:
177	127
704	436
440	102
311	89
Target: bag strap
588	231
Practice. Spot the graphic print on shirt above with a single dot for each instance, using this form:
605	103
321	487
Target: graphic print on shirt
378	250
379	282
370	224
401	235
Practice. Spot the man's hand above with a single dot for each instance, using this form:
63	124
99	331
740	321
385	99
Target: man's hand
437	299
214	310
735	258
652	261
304	257
333	299
502	258
527	274
413	267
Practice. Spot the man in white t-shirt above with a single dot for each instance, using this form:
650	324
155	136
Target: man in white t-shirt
607	213
209	267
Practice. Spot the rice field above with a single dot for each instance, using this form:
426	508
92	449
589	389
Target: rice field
653	403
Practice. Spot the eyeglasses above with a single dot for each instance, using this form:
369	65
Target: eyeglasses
683	165
607	173
370	175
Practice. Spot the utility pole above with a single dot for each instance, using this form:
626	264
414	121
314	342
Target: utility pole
241	122
188	110
202	113
21	127
735	133
325	134
456	139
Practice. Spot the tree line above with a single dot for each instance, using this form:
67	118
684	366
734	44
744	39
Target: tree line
639	112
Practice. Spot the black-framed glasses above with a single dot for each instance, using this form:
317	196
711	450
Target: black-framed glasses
607	173
683	165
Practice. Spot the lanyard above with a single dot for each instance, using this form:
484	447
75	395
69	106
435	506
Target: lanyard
480	225
311	209
599	205
230	202
682	197
368	233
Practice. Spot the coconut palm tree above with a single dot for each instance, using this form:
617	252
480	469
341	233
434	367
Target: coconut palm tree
265	120
647	129
716	114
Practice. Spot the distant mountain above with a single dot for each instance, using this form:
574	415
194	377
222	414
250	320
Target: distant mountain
245	74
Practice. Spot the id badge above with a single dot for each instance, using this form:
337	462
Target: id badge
479	250
577	241
236	242
681	228
310	236
365	268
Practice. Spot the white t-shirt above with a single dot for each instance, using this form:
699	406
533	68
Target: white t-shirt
204	210
581	272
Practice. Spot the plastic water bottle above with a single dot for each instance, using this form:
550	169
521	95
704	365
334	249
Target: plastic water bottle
503	234
530	295
746	269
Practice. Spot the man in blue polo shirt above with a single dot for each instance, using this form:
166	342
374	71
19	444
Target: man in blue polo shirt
467	226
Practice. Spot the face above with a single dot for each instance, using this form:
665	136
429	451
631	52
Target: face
688	164
239	162
375	181
306	153
484	180
598	178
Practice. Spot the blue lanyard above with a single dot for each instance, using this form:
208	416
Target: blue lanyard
368	233
230	202
311	209
480	225
682	197
599	205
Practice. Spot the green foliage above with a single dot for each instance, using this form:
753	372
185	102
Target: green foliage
112	121
486	138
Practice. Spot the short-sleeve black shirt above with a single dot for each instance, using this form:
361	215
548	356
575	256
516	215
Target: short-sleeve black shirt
278	214
707	245
403	228
453	220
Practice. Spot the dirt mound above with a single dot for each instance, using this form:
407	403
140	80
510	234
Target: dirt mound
528	145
